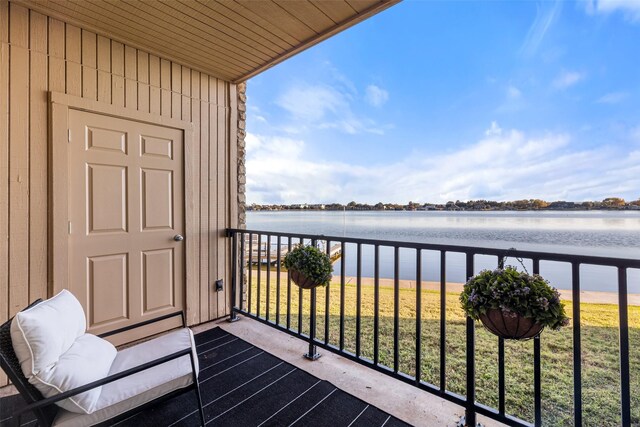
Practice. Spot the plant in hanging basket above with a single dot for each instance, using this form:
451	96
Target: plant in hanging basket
513	304
309	266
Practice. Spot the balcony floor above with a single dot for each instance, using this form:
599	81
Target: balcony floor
403	401
244	385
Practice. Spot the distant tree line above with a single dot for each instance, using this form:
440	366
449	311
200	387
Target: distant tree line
610	203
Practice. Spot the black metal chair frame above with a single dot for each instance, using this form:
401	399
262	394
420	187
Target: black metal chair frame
45	409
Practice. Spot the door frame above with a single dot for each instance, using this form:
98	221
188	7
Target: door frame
59	106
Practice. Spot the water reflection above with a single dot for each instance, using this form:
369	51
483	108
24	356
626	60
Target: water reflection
614	234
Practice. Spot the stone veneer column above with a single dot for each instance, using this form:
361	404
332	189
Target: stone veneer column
242	177
242	132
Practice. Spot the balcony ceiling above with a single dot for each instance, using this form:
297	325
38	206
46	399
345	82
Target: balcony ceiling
231	39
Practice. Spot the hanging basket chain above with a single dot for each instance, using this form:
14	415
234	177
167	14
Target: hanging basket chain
506	255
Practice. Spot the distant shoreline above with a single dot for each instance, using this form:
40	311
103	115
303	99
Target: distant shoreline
532	205
625	209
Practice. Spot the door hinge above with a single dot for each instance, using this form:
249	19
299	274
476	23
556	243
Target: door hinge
68	135
69	226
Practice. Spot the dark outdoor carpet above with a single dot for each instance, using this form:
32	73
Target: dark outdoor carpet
242	385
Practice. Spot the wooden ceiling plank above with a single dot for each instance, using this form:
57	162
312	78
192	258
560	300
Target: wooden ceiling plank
362	5
125	25
167	17
125	36
279	17
217	31
337	10
232	20
307	13
106	17
228	28
252	18
191	42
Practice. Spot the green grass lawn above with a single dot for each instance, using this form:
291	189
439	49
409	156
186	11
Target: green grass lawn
600	361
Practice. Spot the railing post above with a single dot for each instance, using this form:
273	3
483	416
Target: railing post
234	277
443	321
470	412
313	353
577	346
625	388
537	368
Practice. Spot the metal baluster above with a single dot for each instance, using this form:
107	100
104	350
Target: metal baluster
242	268
300	292
250	272
625	394
258	262
376	305
358	297
443	321
288	288
537	371
396	309
313	353
268	302
418	315
501	378
342	294
279	253
327	305
470	413
577	346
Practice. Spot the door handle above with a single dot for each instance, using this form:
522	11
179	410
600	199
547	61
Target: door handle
178	238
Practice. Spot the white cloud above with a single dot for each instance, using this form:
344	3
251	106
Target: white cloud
613	98
630	8
493	130
312	103
503	165
278	172
547	13
353	126
321	106
567	79
376	96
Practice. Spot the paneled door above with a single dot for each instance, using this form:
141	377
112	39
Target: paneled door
126	220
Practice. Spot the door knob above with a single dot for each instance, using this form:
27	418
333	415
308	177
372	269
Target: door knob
178	238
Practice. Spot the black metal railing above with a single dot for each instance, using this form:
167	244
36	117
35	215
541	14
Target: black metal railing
254	259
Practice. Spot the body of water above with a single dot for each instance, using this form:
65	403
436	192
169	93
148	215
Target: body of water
601	233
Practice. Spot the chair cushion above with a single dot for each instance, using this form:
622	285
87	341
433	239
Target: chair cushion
42	333
56	355
89	359
130	392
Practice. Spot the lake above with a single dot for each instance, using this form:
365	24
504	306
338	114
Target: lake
602	233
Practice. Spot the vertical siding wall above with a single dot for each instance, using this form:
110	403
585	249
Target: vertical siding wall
41	54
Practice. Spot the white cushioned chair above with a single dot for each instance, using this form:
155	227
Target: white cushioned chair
71	378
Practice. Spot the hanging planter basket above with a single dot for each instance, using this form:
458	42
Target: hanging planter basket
496	297
308	266
303	281
510	325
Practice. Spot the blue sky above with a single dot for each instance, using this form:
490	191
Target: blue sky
433	101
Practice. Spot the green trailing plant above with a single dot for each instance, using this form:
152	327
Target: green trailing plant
515	293
311	262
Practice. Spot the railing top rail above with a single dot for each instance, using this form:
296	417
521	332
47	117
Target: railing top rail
546	256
